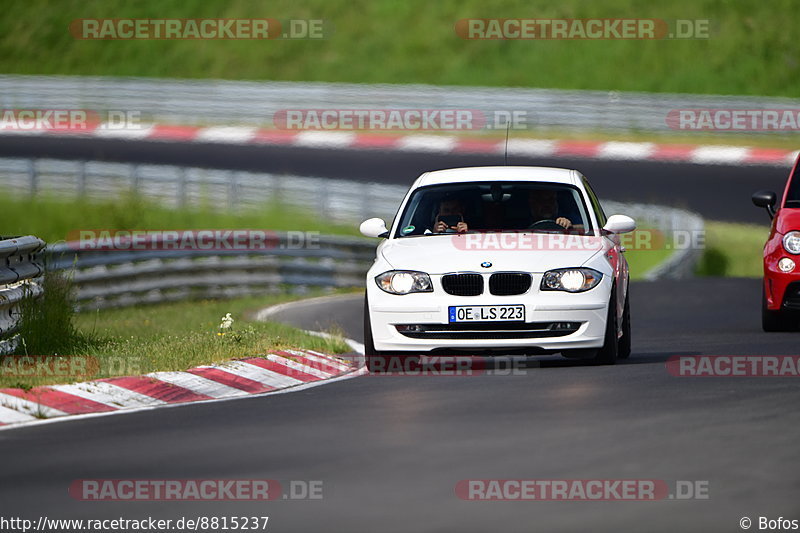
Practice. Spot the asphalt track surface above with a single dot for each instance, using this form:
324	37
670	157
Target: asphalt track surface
390	449
718	192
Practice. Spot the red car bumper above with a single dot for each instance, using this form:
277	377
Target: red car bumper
782	289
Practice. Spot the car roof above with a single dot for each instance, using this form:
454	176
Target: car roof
504	173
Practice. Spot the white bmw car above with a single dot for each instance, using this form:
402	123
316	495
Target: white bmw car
498	260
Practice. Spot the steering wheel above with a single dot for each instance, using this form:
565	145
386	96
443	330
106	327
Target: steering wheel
548	225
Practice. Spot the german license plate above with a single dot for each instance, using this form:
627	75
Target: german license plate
487	313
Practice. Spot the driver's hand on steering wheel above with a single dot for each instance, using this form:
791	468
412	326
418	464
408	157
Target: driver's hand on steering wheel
564	222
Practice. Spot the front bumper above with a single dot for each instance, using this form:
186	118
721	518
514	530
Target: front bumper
781	289
554	321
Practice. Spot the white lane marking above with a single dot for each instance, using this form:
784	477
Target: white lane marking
108	394
325	139
719	154
227	134
32	131
198	384
256	373
142	132
626	150
321	358
299	366
267	312
532	147
28	407
426	143
10	416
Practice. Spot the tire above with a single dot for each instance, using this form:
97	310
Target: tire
772	321
624	348
377	361
607	355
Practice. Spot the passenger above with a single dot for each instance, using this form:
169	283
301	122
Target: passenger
450	216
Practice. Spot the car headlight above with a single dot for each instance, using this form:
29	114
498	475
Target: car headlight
404	282
570	279
791	242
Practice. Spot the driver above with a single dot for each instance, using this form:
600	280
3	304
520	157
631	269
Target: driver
543	204
450	216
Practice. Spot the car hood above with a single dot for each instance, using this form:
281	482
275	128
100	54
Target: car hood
529	252
788	219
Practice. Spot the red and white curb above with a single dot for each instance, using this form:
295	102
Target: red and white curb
280	371
610	150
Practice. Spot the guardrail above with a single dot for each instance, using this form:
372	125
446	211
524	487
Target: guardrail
105	279
255	103
329	199
21	267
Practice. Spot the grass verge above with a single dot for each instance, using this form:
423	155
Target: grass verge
751	48
733	250
53	219
175	336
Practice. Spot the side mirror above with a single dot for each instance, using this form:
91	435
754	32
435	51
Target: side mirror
374	227
767	200
619	224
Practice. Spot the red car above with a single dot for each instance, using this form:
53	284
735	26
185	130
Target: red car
780	310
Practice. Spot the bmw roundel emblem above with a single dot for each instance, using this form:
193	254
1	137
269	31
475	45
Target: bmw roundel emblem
486	264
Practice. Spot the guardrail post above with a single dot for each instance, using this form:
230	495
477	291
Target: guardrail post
82	179
233	190
322	199
365	205
33	179
135	178
182	187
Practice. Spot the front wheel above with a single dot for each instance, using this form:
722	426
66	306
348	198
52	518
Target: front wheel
607	355
775	320
624	349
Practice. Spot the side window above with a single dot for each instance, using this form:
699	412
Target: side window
598	209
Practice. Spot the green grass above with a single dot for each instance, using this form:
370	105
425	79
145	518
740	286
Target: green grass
753	47
173	336
641	261
53	219
733	250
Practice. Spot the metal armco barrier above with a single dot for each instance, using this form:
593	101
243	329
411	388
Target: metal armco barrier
105	279
213	102
21	268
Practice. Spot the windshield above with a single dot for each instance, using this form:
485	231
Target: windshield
793	194
494	206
